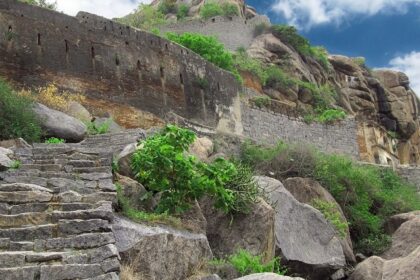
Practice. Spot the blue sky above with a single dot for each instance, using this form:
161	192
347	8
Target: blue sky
386	32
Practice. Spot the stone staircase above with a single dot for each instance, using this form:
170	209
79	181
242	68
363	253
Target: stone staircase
56	210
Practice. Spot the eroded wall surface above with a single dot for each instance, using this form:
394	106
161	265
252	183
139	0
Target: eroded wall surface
106	60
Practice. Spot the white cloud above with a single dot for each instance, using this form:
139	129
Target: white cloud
307	13
410	65
105	8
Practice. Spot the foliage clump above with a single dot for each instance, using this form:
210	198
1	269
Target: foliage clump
245	263
163	166
332	214
212	9
95	129
368	195
146	17
208	47
42	3
17	119
54	140
289	35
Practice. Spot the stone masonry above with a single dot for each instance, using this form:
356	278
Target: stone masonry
56	209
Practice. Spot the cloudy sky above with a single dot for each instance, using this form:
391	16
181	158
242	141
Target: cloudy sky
386	32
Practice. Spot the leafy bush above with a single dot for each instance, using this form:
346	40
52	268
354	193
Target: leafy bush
332	214
361	61
244	62
368	195
16	116
290	36
16	164
145	17
208	47
54	140
210	9
162	165
245	263
330	116
230	10
182	11
276	78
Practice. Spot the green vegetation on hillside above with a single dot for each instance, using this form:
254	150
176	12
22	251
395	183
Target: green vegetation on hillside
368	195
145	17
208	47
212	9
16	116
54	140
162	165
289	35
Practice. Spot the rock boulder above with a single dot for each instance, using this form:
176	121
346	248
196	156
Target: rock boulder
5	161
58	124
304	239
268	276
158	252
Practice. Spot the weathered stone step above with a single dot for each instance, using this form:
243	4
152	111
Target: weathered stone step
63	228
42	207
41	167
102	169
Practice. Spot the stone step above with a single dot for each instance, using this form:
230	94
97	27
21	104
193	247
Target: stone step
44	207
41	167
102	169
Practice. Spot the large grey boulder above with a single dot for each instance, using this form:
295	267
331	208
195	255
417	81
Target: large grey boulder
78	111
268	276
5	161
306	190
374	268
304	239
156	252
124	160
405	240
394	222
253	232
58	124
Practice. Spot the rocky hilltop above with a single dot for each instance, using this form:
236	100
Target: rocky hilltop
128	153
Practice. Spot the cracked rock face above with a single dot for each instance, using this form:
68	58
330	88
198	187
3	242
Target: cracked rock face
159	252
304	239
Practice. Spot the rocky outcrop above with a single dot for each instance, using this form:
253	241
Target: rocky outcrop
304	239
404	240
160	253
202	148
396	221
306	190
397	269
268	276
78	111
58	124
253	232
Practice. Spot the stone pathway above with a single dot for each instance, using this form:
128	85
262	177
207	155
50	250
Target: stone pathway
56	209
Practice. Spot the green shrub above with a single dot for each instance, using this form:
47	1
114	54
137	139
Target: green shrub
211	9
330	116
17	118
41	3
182	11
230	10
208	47
332	214
276	78
245	263
16	164
145	17
290	36
367	195
361	61
244	62
162	165
54	140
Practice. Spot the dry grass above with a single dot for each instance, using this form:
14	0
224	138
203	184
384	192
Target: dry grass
51	97
128	273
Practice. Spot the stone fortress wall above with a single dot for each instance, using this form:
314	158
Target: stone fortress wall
233	32
106	60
